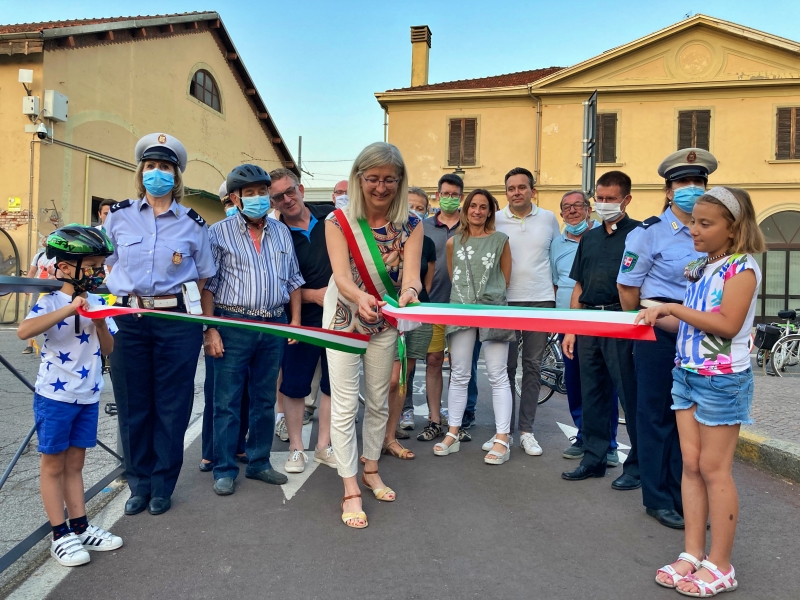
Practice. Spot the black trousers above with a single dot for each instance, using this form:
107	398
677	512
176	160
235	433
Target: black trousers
606	365
659	446
154	364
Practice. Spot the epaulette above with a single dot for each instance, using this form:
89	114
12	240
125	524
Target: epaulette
650	221
118	205
195	217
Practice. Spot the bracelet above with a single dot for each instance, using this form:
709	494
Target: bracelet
416	293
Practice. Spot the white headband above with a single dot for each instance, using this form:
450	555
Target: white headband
728	199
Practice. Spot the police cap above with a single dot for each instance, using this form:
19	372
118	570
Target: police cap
689	162
161	146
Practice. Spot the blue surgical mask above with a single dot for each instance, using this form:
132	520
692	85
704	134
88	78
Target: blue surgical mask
230	211
686	197
578	228
157	182
255	207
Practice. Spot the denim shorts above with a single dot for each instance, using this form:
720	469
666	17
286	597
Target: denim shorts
60	425
720	399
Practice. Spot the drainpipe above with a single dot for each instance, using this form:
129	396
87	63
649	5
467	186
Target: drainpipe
385	124
30	205
537	149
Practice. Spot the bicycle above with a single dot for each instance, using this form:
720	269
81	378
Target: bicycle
552	374
779	344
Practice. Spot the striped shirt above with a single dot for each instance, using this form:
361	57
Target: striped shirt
249	277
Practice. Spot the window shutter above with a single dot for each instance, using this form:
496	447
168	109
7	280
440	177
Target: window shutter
607	138
685	129
454	157
783	142
702	129
470	142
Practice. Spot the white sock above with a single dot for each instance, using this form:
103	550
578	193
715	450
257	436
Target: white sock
278	417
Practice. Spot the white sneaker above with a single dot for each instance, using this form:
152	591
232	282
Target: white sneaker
296	462
407	420
490	444
281	431
528	443
324	456
99	540
68	551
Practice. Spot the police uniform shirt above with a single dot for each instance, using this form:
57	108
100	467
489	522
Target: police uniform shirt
597	262
312	257
656	253
154	256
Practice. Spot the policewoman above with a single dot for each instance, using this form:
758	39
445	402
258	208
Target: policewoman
161	248
651	273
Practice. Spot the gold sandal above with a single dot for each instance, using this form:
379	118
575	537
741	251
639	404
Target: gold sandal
402	454
351	515
380	493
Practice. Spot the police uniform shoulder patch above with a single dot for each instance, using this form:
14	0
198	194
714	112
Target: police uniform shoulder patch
195	217
629	261
650	221
118	205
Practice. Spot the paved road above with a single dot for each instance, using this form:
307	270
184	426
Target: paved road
459	529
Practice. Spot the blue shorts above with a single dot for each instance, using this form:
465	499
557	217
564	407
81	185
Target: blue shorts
299	364
720	399
60	425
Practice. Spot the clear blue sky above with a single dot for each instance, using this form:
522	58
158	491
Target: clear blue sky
317	64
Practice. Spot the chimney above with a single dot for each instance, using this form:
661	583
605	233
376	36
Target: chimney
420	49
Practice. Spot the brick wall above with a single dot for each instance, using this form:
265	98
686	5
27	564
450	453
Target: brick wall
11	220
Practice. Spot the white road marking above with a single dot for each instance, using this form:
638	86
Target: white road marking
296	480
571	431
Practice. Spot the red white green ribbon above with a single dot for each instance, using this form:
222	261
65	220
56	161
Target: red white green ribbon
354	343
613	324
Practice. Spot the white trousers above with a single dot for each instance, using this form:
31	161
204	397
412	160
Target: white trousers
343	368
495	354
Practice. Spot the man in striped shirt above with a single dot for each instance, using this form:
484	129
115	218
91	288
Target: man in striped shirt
257	273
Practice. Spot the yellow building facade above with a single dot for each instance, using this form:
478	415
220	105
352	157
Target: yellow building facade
702	81
123	78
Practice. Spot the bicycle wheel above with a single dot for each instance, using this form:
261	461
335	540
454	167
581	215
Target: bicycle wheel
544	390
550	371
782	353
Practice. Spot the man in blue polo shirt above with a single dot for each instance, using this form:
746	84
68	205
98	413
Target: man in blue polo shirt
307	225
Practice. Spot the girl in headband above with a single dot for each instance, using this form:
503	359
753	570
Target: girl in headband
712	382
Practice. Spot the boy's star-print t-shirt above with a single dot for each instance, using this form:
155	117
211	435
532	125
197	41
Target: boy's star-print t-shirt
72	366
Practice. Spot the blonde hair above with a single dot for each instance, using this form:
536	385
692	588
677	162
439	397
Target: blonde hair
375	155
177	189
463	219
747	235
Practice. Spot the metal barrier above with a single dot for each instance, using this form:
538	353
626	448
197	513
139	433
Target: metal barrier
25	285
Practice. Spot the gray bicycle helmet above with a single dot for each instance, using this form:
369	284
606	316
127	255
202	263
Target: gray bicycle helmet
245	175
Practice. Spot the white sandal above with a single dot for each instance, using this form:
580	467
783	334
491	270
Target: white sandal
673	574
444	449
494	457
723	582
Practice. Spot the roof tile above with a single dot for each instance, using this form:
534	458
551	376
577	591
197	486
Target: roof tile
34	27
507	80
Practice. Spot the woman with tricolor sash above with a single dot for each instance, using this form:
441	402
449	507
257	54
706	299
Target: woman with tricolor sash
369	242
479	261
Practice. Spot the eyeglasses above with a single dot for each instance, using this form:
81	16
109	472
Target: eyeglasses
576	206
339	192
291	193
451	196
389	182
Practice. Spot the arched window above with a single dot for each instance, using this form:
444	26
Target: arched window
205	89
780	265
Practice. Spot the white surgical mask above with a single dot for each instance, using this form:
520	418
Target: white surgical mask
608	211
342	201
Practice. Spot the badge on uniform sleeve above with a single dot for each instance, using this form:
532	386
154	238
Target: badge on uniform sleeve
629	261
177	258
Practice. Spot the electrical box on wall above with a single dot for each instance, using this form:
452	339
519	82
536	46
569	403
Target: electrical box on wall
30	105
55	106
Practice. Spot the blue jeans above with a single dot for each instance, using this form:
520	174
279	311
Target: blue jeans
253	357
208	414
572	379
472	388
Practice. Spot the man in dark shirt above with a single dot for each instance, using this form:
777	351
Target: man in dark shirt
307	225
606	363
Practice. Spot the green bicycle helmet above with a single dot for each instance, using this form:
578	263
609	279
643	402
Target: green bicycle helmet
73	242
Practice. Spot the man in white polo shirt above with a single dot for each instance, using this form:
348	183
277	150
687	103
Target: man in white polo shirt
530	232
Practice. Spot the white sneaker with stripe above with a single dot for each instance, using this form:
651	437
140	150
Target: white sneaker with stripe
99	540
69	551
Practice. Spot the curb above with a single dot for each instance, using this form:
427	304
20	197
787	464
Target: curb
769	454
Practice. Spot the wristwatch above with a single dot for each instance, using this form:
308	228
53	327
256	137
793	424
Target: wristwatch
207	327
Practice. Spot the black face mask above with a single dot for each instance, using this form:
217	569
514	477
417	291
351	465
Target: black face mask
90	279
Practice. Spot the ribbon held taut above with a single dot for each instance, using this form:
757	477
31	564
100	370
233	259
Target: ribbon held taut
354	343
613	324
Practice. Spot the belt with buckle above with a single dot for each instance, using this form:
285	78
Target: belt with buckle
617	306
151	302
651	302
252	312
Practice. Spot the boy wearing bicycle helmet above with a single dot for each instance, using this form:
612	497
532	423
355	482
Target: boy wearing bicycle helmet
68	385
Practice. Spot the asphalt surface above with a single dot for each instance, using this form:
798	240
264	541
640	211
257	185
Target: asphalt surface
459	529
